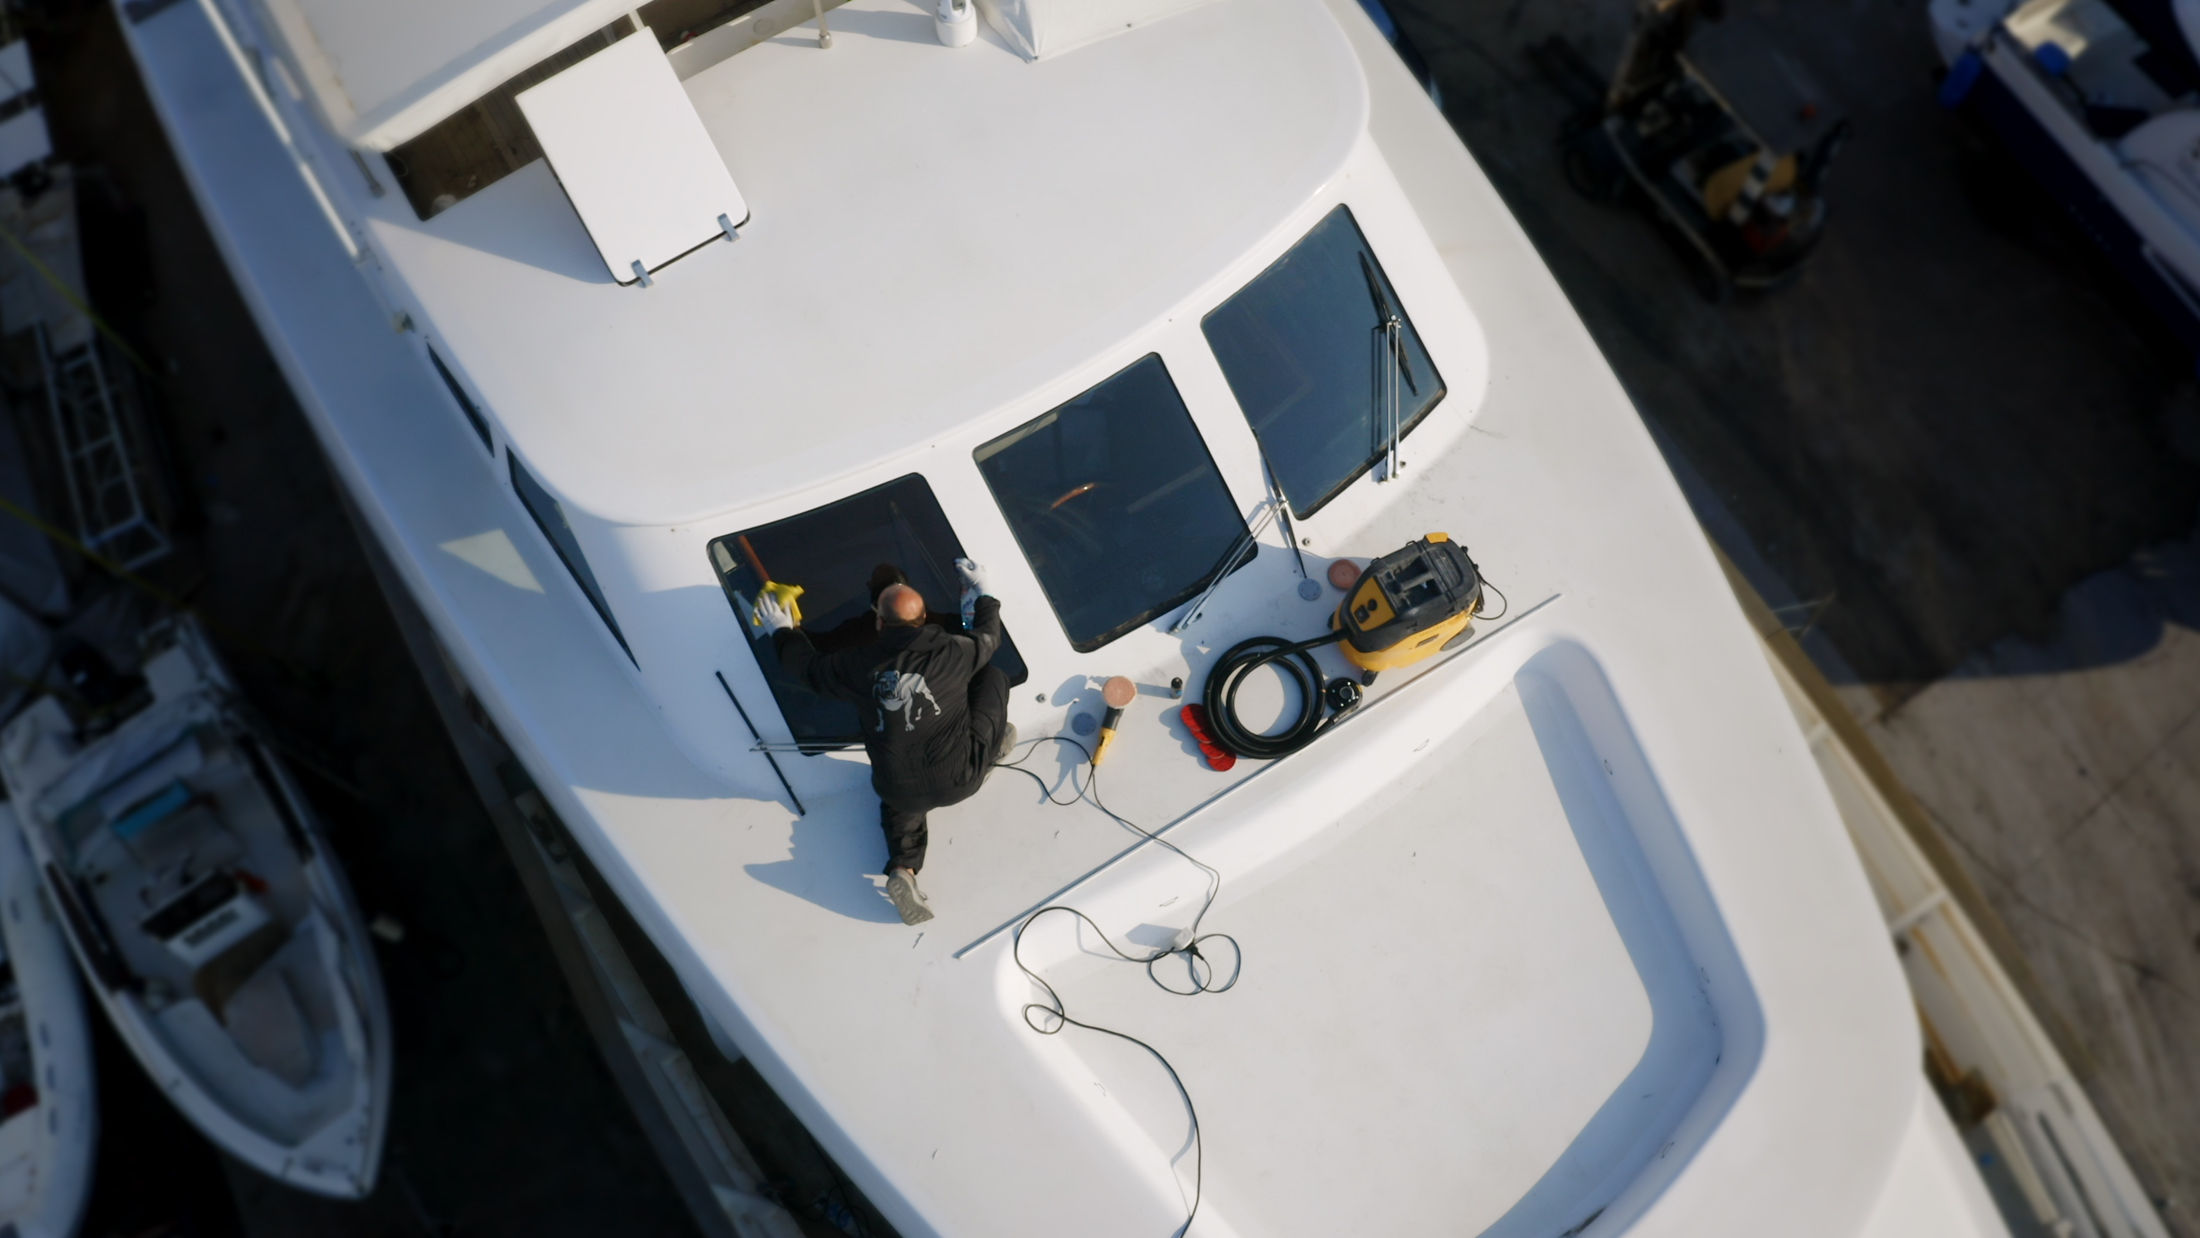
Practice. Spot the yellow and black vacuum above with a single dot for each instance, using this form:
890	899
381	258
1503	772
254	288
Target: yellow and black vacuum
1409	604
1406	606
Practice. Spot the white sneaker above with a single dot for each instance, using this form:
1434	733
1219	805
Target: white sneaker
901	887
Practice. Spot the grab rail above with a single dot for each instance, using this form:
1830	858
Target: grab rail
248	68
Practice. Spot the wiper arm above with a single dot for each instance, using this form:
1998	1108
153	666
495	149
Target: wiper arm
1387	317
1383	312
1248	540
1390	367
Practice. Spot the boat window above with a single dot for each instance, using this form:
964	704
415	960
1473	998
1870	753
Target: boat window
550	518
1303	348
465	404
833	553
1116	503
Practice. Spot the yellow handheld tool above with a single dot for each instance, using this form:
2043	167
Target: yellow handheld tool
1117	693
1409	604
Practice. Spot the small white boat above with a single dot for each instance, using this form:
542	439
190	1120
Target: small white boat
2100	101
211	919
48	1111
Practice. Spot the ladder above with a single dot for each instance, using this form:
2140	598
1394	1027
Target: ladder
96	465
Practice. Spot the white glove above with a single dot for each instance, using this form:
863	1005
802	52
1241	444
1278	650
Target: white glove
771	614
973	588
972	577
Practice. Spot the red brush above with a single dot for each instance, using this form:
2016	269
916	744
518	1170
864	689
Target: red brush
1195	721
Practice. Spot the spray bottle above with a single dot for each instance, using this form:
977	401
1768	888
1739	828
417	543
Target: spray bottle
973	588
956	22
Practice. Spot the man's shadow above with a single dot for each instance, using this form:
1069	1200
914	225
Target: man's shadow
835	856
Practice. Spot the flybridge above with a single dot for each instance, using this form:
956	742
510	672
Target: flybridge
383	74
471	92
640	169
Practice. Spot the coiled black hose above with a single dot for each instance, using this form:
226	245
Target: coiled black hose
1297	661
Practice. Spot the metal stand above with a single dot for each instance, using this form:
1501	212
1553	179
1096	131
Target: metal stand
96	465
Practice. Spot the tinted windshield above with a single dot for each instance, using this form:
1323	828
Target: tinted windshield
832	553
1115	502
1301	345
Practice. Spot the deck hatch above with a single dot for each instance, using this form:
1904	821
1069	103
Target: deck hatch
633	157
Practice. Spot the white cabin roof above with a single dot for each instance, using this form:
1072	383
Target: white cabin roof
933	231
382	72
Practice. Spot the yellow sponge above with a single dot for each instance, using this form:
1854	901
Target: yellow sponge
786	593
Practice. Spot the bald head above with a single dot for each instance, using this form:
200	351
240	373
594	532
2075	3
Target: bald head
900	606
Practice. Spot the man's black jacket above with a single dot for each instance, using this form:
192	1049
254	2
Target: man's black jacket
911	689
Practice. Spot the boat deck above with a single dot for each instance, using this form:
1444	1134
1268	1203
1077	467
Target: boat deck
1531	991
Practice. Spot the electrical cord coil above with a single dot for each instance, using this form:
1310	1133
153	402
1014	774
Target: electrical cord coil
1049	1016
1296	660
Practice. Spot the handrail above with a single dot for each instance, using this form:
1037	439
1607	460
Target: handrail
298	157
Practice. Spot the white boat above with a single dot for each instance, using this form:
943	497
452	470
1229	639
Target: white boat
48	1112
2100	100
1556	932
210	918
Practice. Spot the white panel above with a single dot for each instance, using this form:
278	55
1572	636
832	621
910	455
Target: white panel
1039	28
23	140
634	158
15	69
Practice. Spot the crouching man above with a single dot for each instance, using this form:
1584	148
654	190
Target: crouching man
933	707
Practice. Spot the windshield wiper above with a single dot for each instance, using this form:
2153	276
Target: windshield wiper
1390	369
1232	559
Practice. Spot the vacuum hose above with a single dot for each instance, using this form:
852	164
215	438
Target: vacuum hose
1297	662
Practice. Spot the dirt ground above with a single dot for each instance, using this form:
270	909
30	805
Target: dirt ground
1953	416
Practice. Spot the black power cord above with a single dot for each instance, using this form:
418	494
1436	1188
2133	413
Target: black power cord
1050	1016
1296	660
